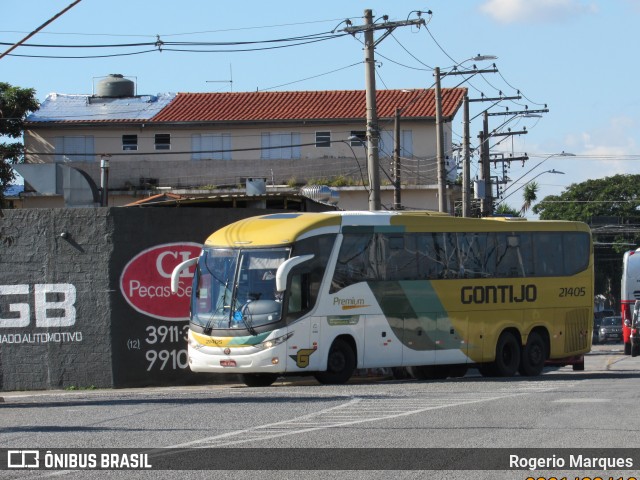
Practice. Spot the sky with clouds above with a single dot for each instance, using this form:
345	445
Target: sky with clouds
577	57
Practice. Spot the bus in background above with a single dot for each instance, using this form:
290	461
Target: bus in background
326	293
629	293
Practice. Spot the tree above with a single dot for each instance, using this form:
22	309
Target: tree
608	205
616	196
529	195
15	104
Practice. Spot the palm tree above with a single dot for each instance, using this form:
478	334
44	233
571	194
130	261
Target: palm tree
529	195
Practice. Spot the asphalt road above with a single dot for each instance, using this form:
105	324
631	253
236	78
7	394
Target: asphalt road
594	409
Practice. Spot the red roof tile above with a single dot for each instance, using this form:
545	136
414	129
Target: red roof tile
305	105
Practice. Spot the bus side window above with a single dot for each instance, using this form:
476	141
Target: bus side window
576	252
548	258
354	261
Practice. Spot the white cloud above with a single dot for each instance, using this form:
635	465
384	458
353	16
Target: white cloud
538	11
617	138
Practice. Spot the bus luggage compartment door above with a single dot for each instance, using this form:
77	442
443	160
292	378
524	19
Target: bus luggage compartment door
382	346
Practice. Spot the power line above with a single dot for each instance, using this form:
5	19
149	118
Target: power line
21	42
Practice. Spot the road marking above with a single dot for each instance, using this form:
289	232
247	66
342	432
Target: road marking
582	400
362	410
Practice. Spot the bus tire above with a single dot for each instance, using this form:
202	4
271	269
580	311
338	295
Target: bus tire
578	367
341	363
259	379
507	355
533	357
627	348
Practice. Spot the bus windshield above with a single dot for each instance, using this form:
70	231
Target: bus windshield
236	289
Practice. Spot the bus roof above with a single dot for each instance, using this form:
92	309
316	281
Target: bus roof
282	229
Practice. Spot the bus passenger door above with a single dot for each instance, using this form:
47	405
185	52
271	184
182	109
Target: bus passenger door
302	347
382	341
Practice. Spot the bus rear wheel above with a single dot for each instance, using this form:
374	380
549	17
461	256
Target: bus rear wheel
533	357
259	379
507	355
341	363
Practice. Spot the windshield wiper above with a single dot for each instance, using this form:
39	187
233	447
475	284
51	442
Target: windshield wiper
246	319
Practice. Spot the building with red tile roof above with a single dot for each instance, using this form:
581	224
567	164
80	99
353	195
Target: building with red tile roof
201	142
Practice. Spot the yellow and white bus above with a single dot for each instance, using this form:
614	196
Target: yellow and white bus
328	293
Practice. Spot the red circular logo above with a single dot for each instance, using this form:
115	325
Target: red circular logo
146	281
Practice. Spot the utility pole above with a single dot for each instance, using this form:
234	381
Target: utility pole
466	167
373	155
397	200
440	160
373	134
487	202
486	195
442	184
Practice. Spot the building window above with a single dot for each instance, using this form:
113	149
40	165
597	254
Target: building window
360	140
163	141
75	149
211	146
129	142
323	139
284	146
386	143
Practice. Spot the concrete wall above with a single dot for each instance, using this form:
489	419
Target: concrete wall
65	276
55	300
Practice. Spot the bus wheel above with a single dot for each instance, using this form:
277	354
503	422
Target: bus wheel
533	356
340	364
259	379
507	355
578	367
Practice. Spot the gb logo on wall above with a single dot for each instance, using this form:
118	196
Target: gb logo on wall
145	281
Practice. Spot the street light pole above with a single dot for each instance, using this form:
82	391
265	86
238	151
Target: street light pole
523	185
561	154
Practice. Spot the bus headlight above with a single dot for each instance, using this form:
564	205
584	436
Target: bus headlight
272	342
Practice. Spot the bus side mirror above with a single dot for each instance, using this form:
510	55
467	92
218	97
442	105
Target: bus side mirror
285	268
175	275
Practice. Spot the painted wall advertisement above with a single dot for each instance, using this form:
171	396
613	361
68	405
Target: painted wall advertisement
156	343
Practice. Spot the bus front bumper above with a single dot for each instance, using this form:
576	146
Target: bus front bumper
238	360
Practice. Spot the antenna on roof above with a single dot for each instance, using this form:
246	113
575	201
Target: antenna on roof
230	81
